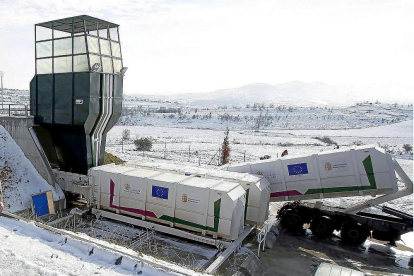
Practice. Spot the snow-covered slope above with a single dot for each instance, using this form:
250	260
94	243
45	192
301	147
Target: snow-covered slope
19	178
26	249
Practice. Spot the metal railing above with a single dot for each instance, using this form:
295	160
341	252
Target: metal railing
14	110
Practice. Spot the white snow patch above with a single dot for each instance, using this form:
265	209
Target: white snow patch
408	239
28	250
402	258
19	178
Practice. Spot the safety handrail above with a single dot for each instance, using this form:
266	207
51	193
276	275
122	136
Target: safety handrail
7	110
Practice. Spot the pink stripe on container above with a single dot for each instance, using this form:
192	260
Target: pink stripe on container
286	193
132	210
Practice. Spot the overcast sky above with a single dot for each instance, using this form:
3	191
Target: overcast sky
200	46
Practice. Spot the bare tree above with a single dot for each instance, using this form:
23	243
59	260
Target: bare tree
259	121
225	148
126	133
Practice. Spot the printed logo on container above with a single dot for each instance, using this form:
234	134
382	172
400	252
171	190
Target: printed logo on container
184	198
160	192
336	167
129	190
298	169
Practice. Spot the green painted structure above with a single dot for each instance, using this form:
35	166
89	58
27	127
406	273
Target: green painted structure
76	93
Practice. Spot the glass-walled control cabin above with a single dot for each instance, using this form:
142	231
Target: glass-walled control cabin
78	44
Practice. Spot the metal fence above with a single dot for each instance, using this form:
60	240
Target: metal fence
14	110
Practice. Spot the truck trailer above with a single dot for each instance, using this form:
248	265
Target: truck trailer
358	171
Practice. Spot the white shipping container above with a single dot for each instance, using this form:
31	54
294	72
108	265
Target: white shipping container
256	187
257	201
210	206
363	170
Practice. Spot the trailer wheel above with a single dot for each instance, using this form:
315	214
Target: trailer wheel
322	227
354	234
292	221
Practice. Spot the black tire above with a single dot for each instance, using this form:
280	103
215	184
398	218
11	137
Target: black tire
354	234
292	221
322	227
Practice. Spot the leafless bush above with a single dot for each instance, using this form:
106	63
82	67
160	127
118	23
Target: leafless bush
327	140
357	143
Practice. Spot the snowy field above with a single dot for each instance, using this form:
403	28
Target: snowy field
263	116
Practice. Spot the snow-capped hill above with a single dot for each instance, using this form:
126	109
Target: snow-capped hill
291	93
238	96
295	93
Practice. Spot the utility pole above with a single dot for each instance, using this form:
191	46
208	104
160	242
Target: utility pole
189	149
2	91
218	157
165	150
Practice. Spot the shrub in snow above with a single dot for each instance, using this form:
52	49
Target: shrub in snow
265	157
387	148
143	144
326	140
407	147
357	143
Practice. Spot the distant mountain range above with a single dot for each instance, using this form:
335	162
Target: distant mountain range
294	93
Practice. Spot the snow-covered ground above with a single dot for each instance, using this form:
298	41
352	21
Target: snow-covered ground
26	249
18	176
263	116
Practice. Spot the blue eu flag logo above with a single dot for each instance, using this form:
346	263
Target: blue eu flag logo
296	169
160	192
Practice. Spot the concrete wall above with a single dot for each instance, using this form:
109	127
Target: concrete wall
18	127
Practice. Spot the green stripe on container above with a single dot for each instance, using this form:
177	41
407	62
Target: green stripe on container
217	206
369	170
247	202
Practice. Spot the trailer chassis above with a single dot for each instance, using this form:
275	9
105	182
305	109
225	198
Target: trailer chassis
354	228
